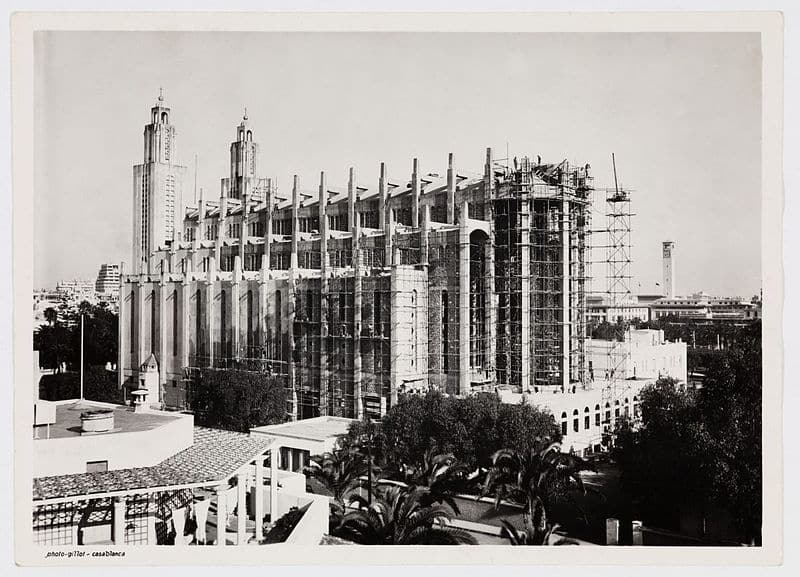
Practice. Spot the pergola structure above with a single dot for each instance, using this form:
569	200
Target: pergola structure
144	505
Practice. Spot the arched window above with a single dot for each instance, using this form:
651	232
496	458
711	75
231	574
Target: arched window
164	118
608	413
586	419
597	415
616	408
576	424
249	135
563	424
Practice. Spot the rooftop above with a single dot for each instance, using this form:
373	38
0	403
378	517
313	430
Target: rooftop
315	429
68	418
215	455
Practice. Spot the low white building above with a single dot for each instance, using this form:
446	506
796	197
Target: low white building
643	354
112	474
585	415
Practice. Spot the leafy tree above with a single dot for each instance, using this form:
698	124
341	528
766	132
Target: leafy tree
471	429
237	400
59	342
398	516
51	315
701	448
54	345
98	385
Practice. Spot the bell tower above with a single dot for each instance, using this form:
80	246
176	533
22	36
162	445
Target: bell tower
244	153
157	188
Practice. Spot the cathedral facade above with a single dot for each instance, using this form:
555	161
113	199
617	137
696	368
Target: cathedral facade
354	294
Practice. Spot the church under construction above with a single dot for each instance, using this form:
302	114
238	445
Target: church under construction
353	294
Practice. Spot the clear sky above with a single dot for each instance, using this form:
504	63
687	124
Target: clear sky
682	113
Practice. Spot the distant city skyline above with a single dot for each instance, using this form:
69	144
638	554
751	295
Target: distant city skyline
690	150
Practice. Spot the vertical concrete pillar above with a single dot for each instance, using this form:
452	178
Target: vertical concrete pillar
118	527
383	199
274	456
267	257
244	222
222	231
179	523
291	312
415	192
124	313
236	289
222	513
262	304
424	235
208	313
323	330
141	327
451	191
200	233
612	531
258	495
463	303
566	277
357	298
295	223
163	365
241	508
389	240
491	298
525	297
352	199
183	330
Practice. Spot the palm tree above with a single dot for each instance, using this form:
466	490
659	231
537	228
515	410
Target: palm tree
397	515
340	472
441	475
538	530
542	472
51	315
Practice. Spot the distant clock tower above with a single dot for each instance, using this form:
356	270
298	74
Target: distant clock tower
668	263
157	189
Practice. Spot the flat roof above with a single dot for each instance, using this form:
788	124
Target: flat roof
315	429
68	419
215	455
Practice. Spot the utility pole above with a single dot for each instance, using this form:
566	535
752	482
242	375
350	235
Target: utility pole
82	356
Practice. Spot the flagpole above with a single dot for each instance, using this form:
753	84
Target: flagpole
81	356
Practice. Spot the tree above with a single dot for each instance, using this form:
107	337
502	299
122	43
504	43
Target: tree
471	429
59	342
442	476
538	530
51	315
397	516
701	448
541	473
237	400
341	472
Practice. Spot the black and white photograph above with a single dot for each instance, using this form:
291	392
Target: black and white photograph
338	288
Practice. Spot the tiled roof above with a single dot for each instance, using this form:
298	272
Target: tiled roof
214	456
